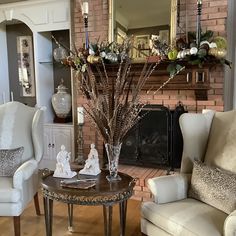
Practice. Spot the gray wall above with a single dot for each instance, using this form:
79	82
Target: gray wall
59	71
12	32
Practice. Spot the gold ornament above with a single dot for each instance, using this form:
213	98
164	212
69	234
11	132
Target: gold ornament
93	59
217	52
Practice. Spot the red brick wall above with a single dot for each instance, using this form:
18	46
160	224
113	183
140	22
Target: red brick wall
214	15
97	22
97	29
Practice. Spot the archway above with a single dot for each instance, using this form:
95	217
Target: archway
20	57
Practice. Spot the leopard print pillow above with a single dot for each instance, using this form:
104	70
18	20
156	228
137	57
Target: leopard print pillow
214	187
10	160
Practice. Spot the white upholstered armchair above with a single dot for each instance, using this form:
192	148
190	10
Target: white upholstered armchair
21	149
201	199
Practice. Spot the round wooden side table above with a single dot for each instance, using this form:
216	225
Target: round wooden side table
103	193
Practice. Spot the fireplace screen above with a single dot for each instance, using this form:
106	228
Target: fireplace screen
150	143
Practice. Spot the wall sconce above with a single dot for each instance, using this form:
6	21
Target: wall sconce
85	11
80	121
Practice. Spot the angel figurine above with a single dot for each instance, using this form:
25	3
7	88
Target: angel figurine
63	169
91	166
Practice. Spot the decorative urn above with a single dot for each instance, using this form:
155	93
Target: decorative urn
61	101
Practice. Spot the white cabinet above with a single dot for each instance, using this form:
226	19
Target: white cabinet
56	135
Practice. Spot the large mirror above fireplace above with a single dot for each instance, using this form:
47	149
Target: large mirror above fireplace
142	19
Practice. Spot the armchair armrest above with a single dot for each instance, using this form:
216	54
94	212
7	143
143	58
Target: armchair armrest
169	188
230	224
24	172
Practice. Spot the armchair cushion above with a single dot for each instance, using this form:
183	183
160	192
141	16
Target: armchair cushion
214	187
10	160
7	192
188	217
221	147
195	130
16	128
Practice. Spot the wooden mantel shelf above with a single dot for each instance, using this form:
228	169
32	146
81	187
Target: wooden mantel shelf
191	78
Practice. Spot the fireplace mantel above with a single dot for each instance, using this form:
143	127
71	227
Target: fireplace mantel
192	77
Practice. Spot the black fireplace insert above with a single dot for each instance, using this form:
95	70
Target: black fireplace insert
156	141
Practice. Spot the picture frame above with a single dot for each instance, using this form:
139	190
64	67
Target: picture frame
141	46
26	65
164	36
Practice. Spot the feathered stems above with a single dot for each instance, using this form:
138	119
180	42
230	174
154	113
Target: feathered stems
114	102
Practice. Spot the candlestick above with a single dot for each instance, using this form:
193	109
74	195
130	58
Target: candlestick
85	8
198	33
80	121
80	115
85	11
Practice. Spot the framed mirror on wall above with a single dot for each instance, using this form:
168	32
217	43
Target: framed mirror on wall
142	19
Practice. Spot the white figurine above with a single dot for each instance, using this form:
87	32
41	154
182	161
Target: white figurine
92	163
63	169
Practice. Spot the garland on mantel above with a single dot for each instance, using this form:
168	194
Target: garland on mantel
183	52
210	50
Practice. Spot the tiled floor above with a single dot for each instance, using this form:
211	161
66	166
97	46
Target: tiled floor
141	192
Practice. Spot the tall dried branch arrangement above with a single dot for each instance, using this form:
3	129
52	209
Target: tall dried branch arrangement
114	102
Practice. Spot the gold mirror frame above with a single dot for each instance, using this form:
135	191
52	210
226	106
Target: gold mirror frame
173	21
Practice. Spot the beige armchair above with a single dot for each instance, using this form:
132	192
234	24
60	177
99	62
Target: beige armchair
20	126
210	137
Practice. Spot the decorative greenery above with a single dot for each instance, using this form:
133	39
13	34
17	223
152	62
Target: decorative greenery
174	68
211	50
205	36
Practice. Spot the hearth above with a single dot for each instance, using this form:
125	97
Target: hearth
156	140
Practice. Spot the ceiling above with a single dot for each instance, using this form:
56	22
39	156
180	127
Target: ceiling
142	13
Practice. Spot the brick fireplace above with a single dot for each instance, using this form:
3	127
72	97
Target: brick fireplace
214	14
169	97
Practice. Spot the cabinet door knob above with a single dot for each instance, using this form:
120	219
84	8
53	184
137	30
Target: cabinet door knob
49	145
53	145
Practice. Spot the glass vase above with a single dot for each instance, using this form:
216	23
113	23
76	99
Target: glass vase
113	154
